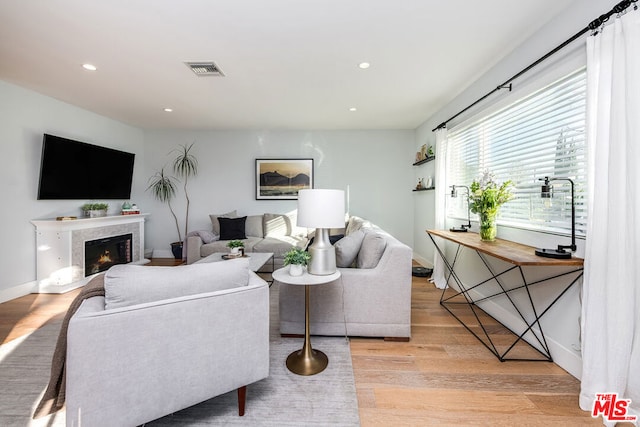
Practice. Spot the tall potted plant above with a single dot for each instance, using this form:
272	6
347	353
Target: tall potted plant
164	187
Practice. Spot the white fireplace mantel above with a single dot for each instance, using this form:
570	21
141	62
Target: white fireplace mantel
60	247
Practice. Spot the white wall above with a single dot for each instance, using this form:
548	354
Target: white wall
24	117
374	164
560	323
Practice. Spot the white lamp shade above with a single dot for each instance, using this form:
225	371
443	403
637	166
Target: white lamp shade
321	208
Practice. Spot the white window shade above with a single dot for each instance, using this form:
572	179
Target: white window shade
540	135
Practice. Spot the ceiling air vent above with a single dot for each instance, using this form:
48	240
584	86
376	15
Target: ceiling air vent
205	68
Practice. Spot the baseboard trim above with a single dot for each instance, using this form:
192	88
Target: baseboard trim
422	261
18	291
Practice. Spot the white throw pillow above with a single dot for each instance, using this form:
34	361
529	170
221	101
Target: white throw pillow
127	284
347	248
371	251
356	223
277	225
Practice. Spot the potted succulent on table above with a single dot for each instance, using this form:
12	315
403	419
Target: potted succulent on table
95	210
164	190
235	246
296	259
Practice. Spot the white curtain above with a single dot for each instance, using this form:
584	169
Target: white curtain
611	304
437	277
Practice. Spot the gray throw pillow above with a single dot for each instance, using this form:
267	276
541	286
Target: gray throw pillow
347	248
127	284
215	224
253	226
371	251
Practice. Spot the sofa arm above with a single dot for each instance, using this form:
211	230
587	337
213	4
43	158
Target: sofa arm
194	243
130	365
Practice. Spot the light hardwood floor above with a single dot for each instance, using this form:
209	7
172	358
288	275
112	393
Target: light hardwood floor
443	376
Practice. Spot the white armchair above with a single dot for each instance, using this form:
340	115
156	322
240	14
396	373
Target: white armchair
133	364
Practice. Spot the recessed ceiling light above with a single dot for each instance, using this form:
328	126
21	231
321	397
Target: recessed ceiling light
168	110
89	67
364	65
353	109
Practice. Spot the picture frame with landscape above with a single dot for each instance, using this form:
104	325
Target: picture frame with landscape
281	179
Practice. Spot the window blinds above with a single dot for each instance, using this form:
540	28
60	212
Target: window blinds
540	135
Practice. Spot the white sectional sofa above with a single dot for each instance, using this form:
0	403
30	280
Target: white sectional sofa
276	233
372	298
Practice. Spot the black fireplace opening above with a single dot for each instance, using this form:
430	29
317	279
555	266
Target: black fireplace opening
102	254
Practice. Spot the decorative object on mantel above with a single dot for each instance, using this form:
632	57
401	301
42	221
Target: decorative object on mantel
129	209
95	210
164	187
464	227
546	192
296	259
486	197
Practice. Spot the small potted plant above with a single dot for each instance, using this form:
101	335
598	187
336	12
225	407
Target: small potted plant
235	246
95	210
296	259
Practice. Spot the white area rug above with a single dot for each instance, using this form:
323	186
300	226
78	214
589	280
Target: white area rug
282	399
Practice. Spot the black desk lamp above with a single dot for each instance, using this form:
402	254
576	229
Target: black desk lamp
546	193
464	227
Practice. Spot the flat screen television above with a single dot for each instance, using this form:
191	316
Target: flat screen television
74	170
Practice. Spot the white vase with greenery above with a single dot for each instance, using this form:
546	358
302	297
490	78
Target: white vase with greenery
296	259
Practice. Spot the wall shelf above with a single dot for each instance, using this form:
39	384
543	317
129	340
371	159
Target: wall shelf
425	160
424	189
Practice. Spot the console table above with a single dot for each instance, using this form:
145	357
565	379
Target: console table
518	256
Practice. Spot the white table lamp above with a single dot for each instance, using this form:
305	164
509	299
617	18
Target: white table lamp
321	209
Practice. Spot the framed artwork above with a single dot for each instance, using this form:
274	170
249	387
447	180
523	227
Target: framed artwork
281	179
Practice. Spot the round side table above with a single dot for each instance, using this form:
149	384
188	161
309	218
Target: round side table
305	361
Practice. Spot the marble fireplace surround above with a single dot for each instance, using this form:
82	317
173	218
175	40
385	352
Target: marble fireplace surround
60	247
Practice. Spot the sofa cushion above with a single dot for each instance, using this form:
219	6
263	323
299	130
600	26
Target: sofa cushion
280	245
215	224
232	228
127	284
347	248
373	245
253	226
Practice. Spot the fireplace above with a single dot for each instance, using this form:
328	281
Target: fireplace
101	254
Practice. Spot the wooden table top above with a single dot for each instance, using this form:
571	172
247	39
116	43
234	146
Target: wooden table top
512	252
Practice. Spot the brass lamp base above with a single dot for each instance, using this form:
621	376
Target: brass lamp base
307	361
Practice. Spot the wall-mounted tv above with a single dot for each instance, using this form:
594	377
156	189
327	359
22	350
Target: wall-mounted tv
74	170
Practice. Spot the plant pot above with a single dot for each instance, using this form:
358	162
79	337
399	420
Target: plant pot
235	251
296	270
176	249
95	213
